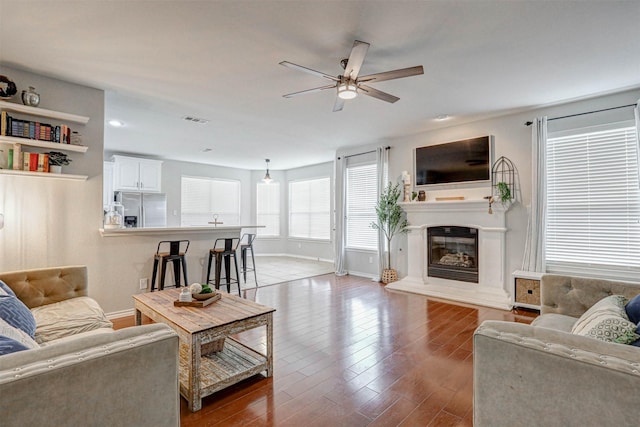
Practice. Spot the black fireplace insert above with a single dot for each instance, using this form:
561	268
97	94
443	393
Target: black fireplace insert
453	253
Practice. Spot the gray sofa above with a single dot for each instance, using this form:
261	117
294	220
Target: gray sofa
543	375
97	377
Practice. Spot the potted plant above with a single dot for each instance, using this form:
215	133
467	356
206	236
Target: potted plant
391	220
504	192
57	160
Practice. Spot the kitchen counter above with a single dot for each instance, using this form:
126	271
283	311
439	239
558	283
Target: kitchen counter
122	232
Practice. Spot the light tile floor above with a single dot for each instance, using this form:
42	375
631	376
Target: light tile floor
277	269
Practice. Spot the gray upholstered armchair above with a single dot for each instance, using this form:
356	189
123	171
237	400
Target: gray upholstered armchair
543	375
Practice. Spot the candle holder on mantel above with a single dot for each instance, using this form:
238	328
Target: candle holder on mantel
406	181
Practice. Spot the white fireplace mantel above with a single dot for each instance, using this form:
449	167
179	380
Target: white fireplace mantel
491	289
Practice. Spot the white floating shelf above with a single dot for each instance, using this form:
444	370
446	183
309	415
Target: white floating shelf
44	175
41	112
44	144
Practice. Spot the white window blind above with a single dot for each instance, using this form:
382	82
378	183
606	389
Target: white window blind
361	207
268	208
202	198
309	209
593	204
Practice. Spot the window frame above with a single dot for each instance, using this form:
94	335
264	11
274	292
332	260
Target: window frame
211	180
595	211
327	213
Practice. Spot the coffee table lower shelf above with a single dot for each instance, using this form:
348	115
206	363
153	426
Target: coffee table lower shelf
219	370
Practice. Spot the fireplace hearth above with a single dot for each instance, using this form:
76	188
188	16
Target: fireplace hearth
453	253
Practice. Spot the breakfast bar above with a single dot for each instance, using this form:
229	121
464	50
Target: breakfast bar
130	251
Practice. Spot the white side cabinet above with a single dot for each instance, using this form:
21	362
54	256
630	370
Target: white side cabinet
137	174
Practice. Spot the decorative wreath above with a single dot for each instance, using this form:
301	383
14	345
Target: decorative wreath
7	87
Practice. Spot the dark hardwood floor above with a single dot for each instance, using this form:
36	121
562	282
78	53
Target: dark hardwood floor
349	353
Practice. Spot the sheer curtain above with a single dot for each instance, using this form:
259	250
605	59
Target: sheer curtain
636	114
382	163
534	248
339	220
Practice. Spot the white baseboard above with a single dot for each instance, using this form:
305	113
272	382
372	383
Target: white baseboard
366	275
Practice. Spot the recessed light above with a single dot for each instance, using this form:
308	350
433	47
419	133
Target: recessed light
443	117
116	123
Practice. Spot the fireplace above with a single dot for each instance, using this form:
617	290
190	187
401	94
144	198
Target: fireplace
453	253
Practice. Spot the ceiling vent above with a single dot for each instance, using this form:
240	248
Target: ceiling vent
196	120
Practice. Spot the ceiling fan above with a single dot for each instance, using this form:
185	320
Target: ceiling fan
350	84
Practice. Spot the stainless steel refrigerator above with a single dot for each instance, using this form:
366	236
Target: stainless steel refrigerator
143	210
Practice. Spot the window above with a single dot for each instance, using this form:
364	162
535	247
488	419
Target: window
593	202
309	209
361	207
202	198
268	209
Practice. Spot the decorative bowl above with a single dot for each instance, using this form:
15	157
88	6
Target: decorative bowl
202	297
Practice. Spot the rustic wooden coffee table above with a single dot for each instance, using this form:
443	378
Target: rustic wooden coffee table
210	359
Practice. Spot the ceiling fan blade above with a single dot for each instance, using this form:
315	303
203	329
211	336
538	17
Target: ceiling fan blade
395	74
338	105
304	92
356	58
368	90
308	70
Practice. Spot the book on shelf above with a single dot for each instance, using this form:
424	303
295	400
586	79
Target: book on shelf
17	157
43	162
10	159
10	126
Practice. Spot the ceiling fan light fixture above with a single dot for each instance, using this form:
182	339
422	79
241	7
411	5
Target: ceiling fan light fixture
267	177
347	90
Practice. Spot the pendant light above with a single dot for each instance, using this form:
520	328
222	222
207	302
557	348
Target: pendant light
267	177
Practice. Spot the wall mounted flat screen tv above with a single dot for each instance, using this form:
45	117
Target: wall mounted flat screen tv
459	161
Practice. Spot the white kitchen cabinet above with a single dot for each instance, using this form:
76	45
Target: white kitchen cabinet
137	174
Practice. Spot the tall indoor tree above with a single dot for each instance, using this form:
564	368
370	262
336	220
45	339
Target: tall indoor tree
391	221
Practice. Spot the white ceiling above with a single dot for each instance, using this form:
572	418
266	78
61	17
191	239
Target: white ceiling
161	60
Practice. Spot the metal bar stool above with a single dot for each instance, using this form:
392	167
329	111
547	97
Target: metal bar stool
246	244
176	255
223	250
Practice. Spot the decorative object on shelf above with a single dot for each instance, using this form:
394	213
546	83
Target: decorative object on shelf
267	177
7	88
57	160
76	138
422	196
414	196
30	97
502	182
391	220
112	219
406	180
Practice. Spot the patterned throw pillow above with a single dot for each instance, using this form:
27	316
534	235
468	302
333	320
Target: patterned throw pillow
15	313
607	320
9	345
17	334
5	289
